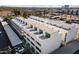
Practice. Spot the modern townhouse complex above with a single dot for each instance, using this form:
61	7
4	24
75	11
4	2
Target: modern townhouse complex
62	27
43	35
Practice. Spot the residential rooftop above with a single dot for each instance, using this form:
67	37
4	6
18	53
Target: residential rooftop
14	39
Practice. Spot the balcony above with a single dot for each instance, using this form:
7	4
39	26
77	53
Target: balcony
29	27
38	33
46	36
33	29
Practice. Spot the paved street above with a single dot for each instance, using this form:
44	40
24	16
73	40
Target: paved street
70	48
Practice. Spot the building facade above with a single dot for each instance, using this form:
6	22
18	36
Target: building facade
43	36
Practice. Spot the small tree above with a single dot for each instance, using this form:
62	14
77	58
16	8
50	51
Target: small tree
77	12
63	12
8	18
72	12
27	49
68	12
25	15
16	12
69	21
47	35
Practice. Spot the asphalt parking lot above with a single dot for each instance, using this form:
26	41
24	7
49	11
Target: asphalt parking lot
4	42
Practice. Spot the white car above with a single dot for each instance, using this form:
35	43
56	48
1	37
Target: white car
19	50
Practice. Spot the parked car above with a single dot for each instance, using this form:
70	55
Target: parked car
19	50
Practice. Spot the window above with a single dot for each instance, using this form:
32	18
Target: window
28	39
24	36
35	28
23	22
32	43
40	31
28	35
38	43
47	35
31	26
26	23
65	36
42	21
51	24
32	38
66	28
38	20
38	49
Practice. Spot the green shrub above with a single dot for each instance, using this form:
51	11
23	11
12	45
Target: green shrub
27	49
68	21
8	18
47	35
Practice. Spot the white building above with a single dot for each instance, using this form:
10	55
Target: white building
44	36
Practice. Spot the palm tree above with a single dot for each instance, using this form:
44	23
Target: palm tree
68	12
24	14
63	12
72	12
77	12
16	12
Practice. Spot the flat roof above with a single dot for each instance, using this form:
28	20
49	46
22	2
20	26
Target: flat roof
3	38
43	26
39	25
56	22
70	48
14	39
